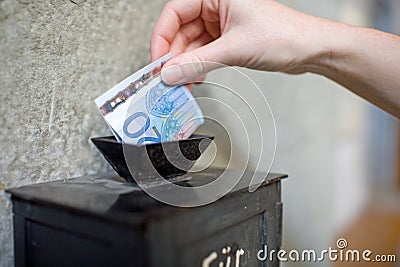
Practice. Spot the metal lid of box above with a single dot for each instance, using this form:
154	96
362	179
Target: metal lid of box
111	197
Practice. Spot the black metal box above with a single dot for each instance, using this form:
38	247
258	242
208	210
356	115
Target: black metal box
103	221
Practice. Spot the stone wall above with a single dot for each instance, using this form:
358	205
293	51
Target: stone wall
56	57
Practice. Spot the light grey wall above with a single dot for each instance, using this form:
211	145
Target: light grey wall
55	58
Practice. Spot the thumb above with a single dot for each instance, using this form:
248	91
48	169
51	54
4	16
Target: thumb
190	66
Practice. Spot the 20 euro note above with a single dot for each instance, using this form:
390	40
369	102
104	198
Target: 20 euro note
142	109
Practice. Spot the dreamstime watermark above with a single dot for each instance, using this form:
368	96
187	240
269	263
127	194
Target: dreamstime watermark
340	253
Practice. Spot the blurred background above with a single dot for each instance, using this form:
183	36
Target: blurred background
341	153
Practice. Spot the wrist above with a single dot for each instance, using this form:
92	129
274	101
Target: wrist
330	47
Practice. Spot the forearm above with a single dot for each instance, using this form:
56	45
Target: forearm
365	61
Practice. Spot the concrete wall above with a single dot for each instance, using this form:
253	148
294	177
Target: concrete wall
55	58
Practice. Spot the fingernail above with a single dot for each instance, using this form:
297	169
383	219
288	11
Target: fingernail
172	75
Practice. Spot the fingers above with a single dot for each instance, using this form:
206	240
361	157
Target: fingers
186	35
188	66
213	28
173	16
203	39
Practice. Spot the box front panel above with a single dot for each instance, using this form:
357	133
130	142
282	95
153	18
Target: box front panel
235	246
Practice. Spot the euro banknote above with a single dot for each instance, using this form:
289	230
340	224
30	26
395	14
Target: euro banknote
142	109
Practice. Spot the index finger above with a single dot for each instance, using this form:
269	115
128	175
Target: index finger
174	14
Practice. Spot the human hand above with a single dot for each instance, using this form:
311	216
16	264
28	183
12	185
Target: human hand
266	35
258	34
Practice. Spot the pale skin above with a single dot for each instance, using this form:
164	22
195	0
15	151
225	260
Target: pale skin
266	35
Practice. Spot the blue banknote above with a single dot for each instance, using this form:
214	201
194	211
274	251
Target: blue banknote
164	113
142	109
